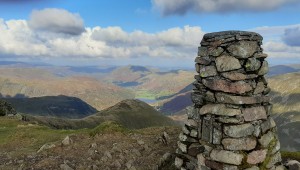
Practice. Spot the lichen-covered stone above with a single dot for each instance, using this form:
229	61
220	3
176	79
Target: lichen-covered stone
219	109
266	139
252	64
202	51
274	159
254	113
243	49
256	157
217	133
178	162
231	99
227	63
226	157
253	168
238	87
208	71
209	96
238	131
236	144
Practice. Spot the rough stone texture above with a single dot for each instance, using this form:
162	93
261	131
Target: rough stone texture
227	63
266	139
256	157
226	157
264	69
230	99
252	64
219	109
268	124
229	126
274	159
208	71
233	144
239	87
243	49
235	75
238	131
254	113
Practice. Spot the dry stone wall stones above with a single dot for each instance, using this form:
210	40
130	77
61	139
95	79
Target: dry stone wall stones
229	126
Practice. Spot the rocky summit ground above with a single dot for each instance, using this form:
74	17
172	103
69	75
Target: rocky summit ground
107	147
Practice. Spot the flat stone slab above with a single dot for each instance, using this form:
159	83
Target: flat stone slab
219	109
226	157
239	87
235	75
236	144
266	139
238	131
230	33
231	99
254	113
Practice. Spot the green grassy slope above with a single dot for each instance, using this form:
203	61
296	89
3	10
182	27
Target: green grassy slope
132	114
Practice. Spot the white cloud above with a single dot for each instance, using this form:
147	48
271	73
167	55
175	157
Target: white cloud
181	7
57	21
21	40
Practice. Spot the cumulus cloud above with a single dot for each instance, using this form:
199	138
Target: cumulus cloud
292	36
20	39
181	7
57	21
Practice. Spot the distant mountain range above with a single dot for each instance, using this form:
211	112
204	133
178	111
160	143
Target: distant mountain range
56	106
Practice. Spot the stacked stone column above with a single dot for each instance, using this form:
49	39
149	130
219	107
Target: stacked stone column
229	126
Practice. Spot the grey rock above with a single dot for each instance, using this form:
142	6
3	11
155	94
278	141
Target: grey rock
185	138
185	130
227	63
209	96
264	69
194	133
243	49
65	167
253	168
231	99
67	141
202	51
292	165
231	120
235	75
276	148
195	149
197	98
266	139
234	144
178	162
219	109
46	147
254	113
215	51
226	157
208	71
217	133
238	131
182	147
274	159
203	60
260	55
239	87
252	64
260	87
268	124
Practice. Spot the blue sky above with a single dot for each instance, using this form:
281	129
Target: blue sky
140	32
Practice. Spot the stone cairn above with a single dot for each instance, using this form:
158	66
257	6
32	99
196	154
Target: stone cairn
229	127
